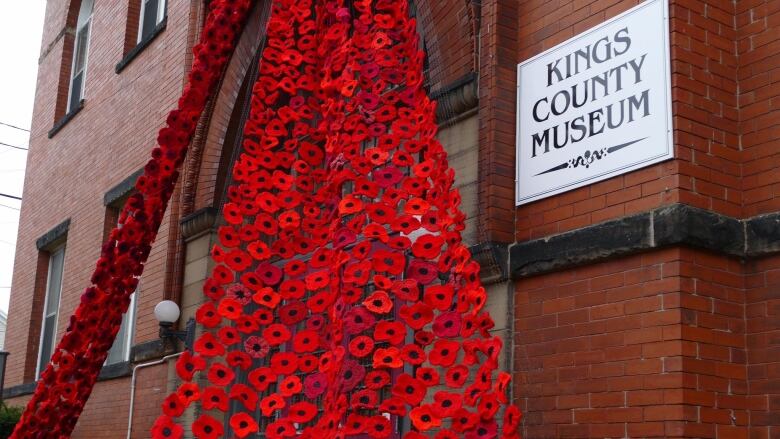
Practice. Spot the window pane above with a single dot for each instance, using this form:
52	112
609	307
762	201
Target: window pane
150	17
47	343
54	285
121	348
82	38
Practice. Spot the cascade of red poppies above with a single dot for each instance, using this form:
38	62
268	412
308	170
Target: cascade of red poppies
343	302
66	383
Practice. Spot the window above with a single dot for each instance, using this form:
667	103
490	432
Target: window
152	14
80	51
51	307
120	350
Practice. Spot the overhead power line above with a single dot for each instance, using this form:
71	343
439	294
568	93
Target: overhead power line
9	207
14	126
11	196
13	146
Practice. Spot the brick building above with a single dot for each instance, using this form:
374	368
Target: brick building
644	305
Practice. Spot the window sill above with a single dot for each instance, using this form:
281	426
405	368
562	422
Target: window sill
65	119
141	46
115	370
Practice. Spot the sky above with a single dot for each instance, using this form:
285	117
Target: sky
21	24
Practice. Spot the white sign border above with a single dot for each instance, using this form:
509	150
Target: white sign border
668	154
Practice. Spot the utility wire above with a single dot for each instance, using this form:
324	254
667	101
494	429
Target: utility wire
13	146
10	207
11	196
14	126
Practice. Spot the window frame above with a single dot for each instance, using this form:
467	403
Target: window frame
128	319
88	25
162	6
44	315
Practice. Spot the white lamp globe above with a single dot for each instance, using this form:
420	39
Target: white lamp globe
167	311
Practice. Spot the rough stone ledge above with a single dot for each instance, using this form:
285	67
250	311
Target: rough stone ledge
676	224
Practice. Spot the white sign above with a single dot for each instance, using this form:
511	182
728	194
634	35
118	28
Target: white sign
595	106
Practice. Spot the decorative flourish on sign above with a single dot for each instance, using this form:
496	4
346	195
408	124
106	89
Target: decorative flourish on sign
66	383
588	157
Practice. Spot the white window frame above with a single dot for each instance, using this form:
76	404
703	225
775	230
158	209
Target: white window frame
161	5
56	314
86	24
128	319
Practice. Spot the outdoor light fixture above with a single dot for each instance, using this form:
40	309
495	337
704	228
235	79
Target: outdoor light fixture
167	313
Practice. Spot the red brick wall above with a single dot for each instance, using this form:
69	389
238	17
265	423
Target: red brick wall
651	345
672	343
68	175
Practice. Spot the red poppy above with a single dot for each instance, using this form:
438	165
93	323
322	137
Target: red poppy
214	398
456	376
243	425
188	364
407	289
276	334
284	363
427	246
393	405
422	271
357	320
220	375
447	325
292	289
389	261
228	335
244	394
207	315
464	421
355	424
413	354
165	428
446	404
361	346
188	392
302	412
272	403
417	315
208	345
390	358
261	378
306	341
378	427
267	297
444	353
439	296
173	405
392	332
423	418
411	390
364	399
206	427
229	308
376	379
290	386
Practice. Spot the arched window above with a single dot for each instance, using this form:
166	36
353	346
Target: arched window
80	53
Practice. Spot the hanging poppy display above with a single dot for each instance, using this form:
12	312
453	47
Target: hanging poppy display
342	296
